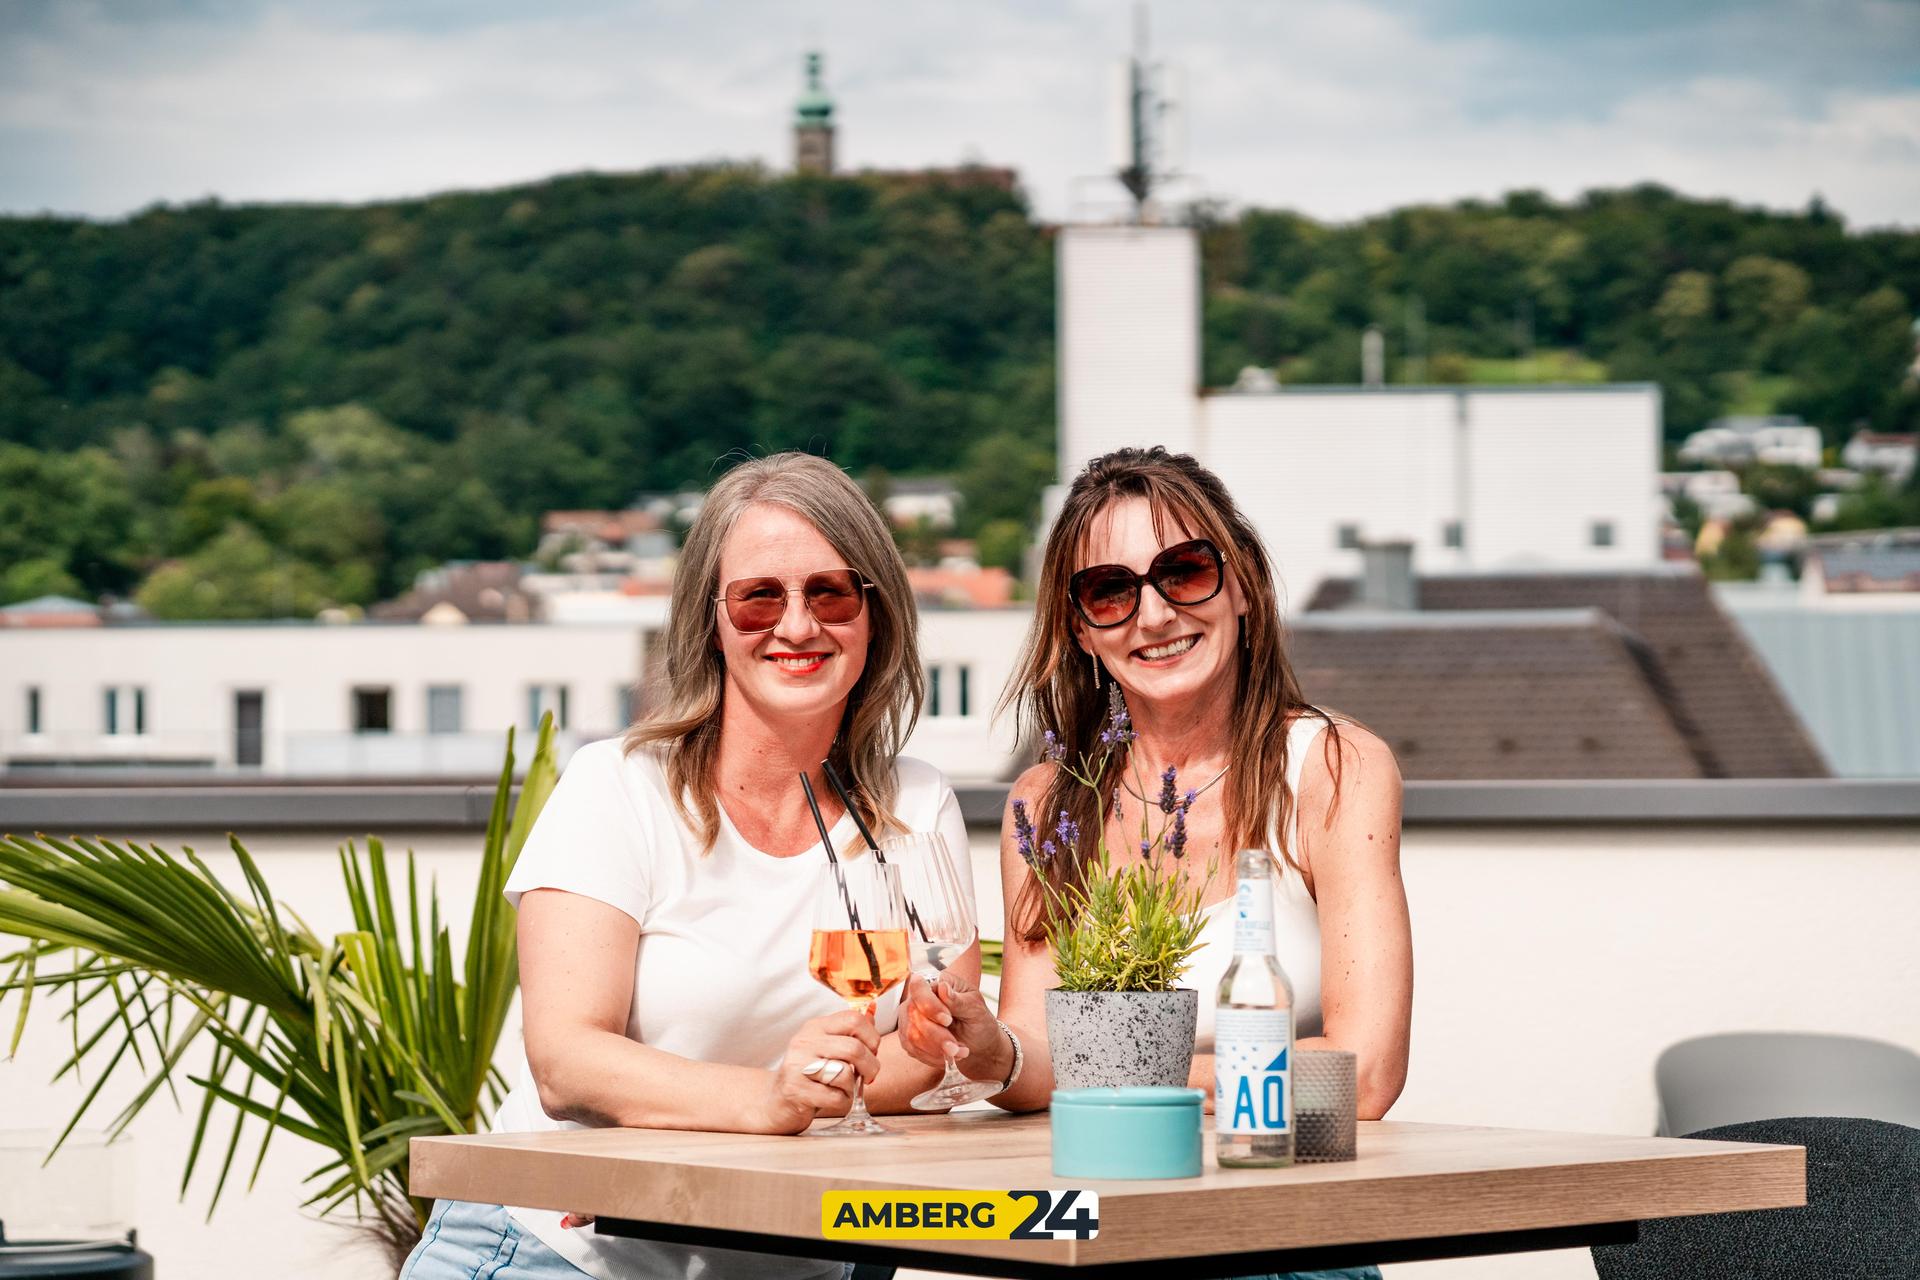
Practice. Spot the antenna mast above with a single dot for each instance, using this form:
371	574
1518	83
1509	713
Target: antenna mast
1144	112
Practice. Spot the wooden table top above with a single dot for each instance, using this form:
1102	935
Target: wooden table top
1410	1181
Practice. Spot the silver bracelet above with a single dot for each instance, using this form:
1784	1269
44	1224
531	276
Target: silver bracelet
1019	1059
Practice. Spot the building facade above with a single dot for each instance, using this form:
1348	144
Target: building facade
406	701
304	699
1476	478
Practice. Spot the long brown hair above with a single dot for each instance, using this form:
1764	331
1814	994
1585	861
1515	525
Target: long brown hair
885	701
1053	687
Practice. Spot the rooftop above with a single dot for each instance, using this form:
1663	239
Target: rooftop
481	591
1502	694
1434	389
1851	674
1717	696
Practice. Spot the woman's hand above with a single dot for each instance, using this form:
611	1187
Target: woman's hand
950	1019
816	1075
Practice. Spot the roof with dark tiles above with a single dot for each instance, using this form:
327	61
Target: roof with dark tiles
1694	668
1555	694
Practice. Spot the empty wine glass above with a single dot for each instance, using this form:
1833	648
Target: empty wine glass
859	952
941	926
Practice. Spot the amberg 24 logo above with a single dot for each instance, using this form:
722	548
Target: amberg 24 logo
1069	1214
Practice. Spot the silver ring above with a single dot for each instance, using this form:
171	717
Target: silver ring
832	1071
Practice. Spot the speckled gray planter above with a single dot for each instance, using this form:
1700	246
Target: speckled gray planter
1113	1038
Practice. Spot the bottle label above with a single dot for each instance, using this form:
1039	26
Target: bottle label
1253	917
1252	1080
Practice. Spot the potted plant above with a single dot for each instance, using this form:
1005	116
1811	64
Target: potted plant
357	1042
1121	936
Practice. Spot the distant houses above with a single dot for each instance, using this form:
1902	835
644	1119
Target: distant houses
1890	455
1775	440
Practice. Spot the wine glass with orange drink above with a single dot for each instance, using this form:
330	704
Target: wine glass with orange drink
859	952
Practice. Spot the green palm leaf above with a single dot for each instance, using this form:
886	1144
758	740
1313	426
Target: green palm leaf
356	1043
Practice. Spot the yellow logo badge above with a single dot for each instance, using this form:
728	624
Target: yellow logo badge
960	1215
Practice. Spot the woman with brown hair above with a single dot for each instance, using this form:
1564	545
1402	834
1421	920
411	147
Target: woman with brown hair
665	893
1154	581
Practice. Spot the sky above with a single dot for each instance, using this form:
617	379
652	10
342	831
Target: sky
1336	108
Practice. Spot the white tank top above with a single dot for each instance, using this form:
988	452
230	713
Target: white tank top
1296	920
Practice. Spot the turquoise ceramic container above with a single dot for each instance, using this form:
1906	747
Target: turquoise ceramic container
1145	1132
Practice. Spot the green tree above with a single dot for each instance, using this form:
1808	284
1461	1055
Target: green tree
1879	505
236	576
70	509
31	579
1850	368
209	508
1781	488
1001	480
1737	558
348	438
1002	544
1764	297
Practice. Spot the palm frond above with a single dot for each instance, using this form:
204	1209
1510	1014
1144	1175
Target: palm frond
356	1043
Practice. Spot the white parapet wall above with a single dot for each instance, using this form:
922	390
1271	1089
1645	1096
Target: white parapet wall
1554	961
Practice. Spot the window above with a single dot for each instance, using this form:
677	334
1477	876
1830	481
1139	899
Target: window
1602	533
1453	534
125	710
542	698
249	723
443	708
33	708
373	710
1347	537
949	689
626	704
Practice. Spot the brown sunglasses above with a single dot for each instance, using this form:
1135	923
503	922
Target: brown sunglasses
1186	574
834	597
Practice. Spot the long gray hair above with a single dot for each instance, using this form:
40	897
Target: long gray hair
884	703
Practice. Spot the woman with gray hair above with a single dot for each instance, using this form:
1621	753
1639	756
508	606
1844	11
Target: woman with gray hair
665	892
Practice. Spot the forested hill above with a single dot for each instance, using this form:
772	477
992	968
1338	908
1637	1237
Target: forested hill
335	396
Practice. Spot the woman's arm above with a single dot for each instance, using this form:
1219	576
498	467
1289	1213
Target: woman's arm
576	982
954	1017
1351	851
901	1074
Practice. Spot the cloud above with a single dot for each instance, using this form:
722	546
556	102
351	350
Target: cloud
1335	108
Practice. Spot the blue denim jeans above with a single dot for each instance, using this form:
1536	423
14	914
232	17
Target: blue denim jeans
1349	1273
467	1241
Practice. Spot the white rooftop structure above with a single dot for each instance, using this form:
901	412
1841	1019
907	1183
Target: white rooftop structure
1475	478
1780	440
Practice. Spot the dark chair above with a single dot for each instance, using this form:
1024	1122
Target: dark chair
1862	1216
1757	1075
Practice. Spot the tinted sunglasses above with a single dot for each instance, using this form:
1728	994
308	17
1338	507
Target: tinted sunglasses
1109	594
834	597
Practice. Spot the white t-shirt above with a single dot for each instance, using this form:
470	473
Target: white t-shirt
721	973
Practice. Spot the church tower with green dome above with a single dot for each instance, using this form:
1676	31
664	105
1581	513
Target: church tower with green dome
813	124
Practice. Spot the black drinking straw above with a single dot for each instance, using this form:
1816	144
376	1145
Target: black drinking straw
846	798
853	810
833	859
840	876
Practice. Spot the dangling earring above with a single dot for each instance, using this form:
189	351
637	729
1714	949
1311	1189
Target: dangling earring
1244	642
1093	658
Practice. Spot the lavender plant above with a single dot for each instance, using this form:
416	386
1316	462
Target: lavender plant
1132	927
